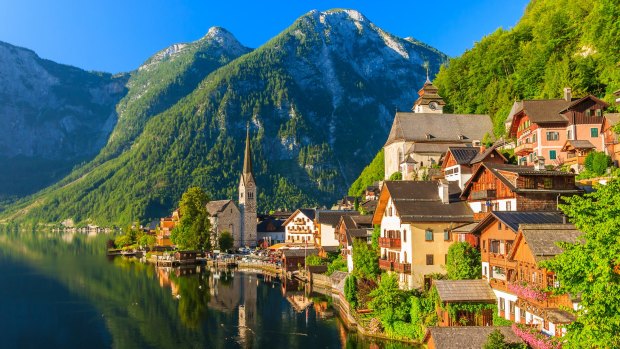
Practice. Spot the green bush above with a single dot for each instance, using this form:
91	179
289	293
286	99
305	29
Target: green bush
338	264
350	290
597	163
396	176
314	260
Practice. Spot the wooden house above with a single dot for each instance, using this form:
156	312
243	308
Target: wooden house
325	221
576	153
350	229
186	257
503	187
453	293
460	162
293	259
535	305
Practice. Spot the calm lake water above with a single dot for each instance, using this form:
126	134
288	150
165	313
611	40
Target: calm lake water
59	290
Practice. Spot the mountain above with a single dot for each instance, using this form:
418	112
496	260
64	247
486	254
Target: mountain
556	44
54	117
319	99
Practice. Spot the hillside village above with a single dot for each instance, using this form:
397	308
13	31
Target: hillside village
445	184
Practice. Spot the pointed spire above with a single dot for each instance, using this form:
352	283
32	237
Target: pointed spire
247	159
428	80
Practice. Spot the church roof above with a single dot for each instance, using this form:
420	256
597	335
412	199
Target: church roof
439	128
248	174
216	206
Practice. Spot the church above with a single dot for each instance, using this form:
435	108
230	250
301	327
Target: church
418	139
240	221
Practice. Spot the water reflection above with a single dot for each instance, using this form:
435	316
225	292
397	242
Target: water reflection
127	304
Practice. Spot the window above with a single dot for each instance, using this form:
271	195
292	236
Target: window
553	136
522	315
508	205
599	112
446	235
404	236
534	138
569	134
552	154
594	132
484	271
588	112
511	304
502	304
430	259
390	212
428	236
484	245
499	225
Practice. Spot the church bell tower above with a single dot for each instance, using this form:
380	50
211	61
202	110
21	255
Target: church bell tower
247	198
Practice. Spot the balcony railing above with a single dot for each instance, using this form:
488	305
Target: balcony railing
404	268
389	243
524	149
386	264
485	194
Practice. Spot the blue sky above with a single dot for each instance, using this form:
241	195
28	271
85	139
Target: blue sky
118	35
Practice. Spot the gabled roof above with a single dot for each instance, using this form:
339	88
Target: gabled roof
577	144
483	155
217	206
308	212
609	120
512	219
577	101
270	225
464	291
414	127
299	252
464	155
467	337
419	201
498	171
543	239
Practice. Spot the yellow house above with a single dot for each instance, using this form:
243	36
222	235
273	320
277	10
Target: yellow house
417	219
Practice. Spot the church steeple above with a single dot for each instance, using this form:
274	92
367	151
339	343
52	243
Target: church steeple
429	100
248	173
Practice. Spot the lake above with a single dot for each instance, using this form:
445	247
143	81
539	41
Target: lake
61	291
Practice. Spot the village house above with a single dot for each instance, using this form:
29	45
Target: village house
270	230
299	228
503	187
295	259
534	304
224	216
453	294
459	163
417	219
164	230
466	337
542	127
611	139
325	238
372	191
350	229
418	139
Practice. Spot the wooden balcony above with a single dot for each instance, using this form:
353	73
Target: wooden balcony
524	149
385	264
404	268
485	194
501	285
500	260
389	243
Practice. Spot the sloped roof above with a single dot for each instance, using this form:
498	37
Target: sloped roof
483	155
467	337
464	291
418	201
612	118
513	219
332	217
464	155
558	316
578	144
440	127
429	147
216	206
266	225
542	239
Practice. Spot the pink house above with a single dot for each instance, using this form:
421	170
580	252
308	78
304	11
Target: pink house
542	127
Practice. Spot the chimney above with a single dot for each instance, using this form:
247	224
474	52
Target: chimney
444	193
568	95
483	148
539	163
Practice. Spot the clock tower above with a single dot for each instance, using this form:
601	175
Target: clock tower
429	101
247	198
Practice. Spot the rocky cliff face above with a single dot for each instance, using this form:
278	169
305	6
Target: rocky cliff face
53	117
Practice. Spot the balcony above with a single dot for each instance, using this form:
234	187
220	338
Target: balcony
386	264
524	149
404	268
484	194
389	243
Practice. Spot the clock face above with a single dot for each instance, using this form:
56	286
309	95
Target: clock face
433	105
